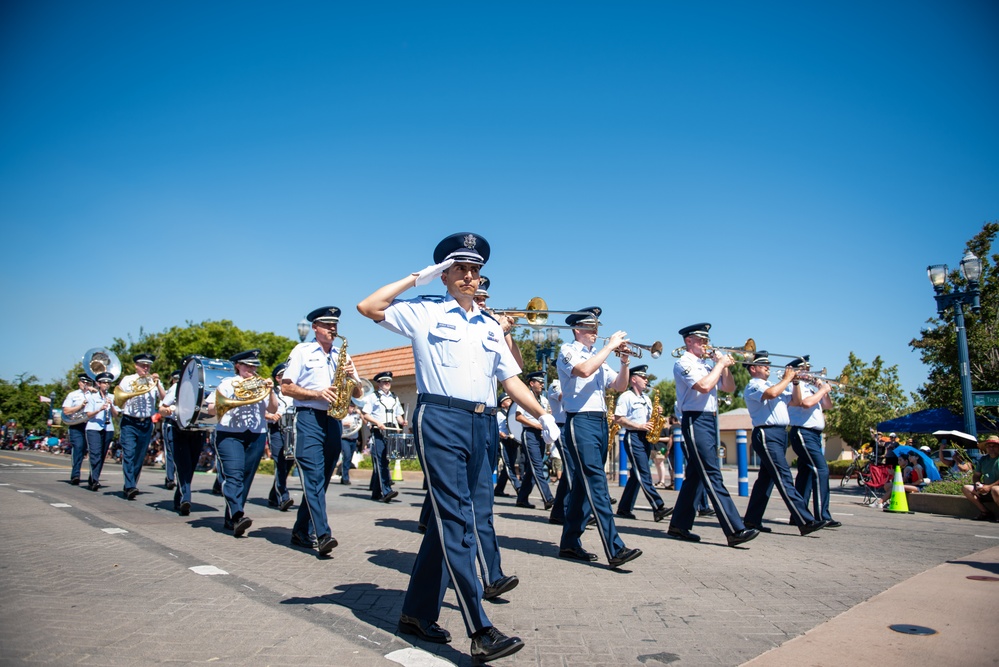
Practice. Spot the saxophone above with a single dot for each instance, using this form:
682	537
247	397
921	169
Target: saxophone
344	385
612	426
656	421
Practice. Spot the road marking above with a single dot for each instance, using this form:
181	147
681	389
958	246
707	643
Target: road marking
414	657
60	505
25	491
841	514
21	463
206	570
988	537
114	531
5	484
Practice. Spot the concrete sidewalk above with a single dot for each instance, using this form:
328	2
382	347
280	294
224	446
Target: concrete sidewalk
90	578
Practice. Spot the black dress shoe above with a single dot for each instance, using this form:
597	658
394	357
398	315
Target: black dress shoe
762	529
613	501
170	484
75	481
500	587
131	493
491	644
577	554
326	544
811	527
241	525
303	541
216	489
389	496
525	505
345	482
286	505
421	528
743	536
662	513
184	509
425	630
684	535
833	524
624	515
272	503
557	522
592	521
501	494
549	504
93	486
707	512
623	556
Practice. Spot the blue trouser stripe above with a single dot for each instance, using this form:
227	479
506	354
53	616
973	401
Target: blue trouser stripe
639	451
169	428
534	475
813	471
381	478
701	451
770	444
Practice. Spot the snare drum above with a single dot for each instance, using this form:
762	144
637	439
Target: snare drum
400	446
198	380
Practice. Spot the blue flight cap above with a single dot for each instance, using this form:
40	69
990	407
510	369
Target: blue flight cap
641	371
483	289
249	357
384	375
104	377
700	329
585	318
280	368
464	247
328	314
761	358
144	358
536	375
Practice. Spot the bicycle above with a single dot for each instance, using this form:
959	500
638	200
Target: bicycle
859	467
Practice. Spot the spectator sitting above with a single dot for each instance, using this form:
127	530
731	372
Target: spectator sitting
912	476
957	463
983	492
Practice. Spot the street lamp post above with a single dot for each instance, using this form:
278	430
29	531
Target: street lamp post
971	269
52	399
544	342
303	329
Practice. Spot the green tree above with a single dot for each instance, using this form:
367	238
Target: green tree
937	343
20	402
868	395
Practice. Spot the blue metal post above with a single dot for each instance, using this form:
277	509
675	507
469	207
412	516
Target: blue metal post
678	459
742	451
622	466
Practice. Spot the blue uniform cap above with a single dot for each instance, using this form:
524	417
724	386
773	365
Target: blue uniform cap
249	357
384	375
761	358
175	375
144	358
279	369
585	318
483	289
642	370
83	377
536	375
329	314
800	361
700	329
464	247
104	377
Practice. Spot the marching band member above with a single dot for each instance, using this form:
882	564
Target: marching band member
187	445
509	448
534	448
354	421
585	376
383	411
767	404
632	413
76	404
241	436
459	354
557	515
100	429
697	383
309	382
279	496
137	422
169	426
809	397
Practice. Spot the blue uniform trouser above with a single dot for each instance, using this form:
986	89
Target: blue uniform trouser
770	444
346	458
813	471
282	466
586	445
317	449
169	428
700	432
97	449
381	478
701	499
187	446
135	436
78	443
535	473
639	450
237	458
565	482
509	448
482	503
451	445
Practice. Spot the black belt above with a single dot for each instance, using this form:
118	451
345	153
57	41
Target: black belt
460	403
694	413
301	409
141	420
783	426
809	428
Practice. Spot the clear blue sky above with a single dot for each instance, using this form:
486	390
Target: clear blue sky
784	170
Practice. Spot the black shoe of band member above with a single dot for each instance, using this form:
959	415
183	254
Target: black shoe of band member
326	544
624	556
184	509
502	586
661	513
304	541
491	644
131	493
707	512
833	524
75	481
425	630
500	494
557	522
528	506
389	496
286	505
241	525
624	515
549	504
169	484
743	536
762	529
811	527
577	554
592	521
421	528
684	535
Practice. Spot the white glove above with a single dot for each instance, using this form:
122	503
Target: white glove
427	275
549	429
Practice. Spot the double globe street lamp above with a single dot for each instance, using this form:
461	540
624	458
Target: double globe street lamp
971	269
544	342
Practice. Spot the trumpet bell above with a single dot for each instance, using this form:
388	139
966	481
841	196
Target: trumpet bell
100	360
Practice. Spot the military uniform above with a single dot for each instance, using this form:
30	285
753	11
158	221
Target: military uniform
187	447
279	496
136	426
385	407
100	428
638	409
812	480
78	432
535	472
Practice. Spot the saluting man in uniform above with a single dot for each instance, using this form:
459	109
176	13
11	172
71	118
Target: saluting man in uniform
383	411
187	447
137	422
100	427
697	383
767	404
809	398
279	496
169	426
460	352
585	376
308	381
240	438
534	448
632	412
76	404
508	449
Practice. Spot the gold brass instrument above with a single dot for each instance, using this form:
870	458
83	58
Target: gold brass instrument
344	385
635	349
744	353
536	313
244	392
141	385
612	426
657	420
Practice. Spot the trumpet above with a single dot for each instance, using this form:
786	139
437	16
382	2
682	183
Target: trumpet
536	313
635	349
744	353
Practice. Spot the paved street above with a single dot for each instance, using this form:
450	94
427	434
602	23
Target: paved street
89	578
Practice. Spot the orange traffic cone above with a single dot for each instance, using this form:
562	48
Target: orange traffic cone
898	502
397	471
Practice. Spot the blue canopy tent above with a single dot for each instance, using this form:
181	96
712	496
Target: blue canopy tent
929	467
933	419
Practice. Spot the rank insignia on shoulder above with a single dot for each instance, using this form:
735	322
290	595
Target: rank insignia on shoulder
492	336
567	357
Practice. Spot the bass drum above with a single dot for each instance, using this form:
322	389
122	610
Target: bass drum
198	380
516	428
